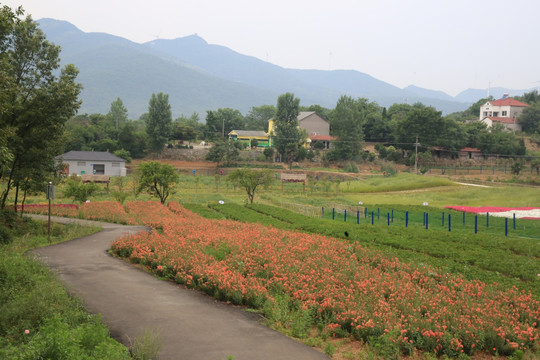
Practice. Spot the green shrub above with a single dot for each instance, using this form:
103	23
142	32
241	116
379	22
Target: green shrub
5	235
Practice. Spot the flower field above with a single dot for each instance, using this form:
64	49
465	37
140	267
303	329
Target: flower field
67	210
108	211
340	287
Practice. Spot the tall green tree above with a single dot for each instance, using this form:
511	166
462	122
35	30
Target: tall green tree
158	122
117	115
347	122
530	118
221	122
157	179
287	135
36	100
257	118
424	122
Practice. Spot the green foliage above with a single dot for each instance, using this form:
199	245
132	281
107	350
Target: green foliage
517	166
147	346
268	153
221	122
157	179
287	136
257	118
250	180
223	152
351	168
530	118
388	169
36	100
124	154
80	192
38	319
158	122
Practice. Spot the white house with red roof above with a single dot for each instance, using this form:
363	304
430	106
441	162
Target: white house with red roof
504	111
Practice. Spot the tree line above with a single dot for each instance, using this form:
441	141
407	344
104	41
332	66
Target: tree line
39	103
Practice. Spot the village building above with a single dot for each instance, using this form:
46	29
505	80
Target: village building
505	111
247	136
92	163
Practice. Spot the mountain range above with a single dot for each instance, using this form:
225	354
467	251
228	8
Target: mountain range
199	76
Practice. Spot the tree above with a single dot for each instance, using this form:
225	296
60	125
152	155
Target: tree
36	100
530	118
222	151
158	179
422	121
158	122
257	118
250	180
221	122
347	121
117	115
287	136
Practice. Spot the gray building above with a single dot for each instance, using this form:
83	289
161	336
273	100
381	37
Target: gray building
92	163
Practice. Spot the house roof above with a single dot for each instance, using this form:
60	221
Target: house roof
304	114
508	102
89	156
502	120
251	133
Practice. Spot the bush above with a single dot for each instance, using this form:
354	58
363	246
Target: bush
5	235
388	169
78	191
351	168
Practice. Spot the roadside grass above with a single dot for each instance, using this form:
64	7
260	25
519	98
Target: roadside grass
38	319
398	182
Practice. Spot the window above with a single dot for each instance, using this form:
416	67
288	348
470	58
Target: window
99	169
485	113
81	163
115	164
505	113
495	113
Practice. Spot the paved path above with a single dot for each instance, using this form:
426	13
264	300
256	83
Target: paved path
191	325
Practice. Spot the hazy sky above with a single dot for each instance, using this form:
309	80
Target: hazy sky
437	44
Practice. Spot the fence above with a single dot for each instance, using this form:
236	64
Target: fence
447	220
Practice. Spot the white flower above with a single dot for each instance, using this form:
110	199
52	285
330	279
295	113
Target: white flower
360	203
425	203
221	202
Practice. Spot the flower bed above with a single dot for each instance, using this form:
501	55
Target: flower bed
344	287
107	211
67	210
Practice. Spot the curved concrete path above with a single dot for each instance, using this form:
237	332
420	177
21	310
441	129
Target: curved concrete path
191	324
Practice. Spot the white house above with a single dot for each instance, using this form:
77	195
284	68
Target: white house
504	111
92	163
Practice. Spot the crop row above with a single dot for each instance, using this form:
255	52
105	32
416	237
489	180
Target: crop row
344	287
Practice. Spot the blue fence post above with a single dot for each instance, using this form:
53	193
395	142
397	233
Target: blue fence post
365	213
406	219
345	215
449	222
358	217
388	218
392	215
475	224
514	221
442	219
505	226
427	220
372	216
322	208
487	219
333	213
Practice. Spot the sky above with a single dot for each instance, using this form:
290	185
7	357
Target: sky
435	44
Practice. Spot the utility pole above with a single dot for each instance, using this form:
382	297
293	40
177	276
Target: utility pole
416	144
